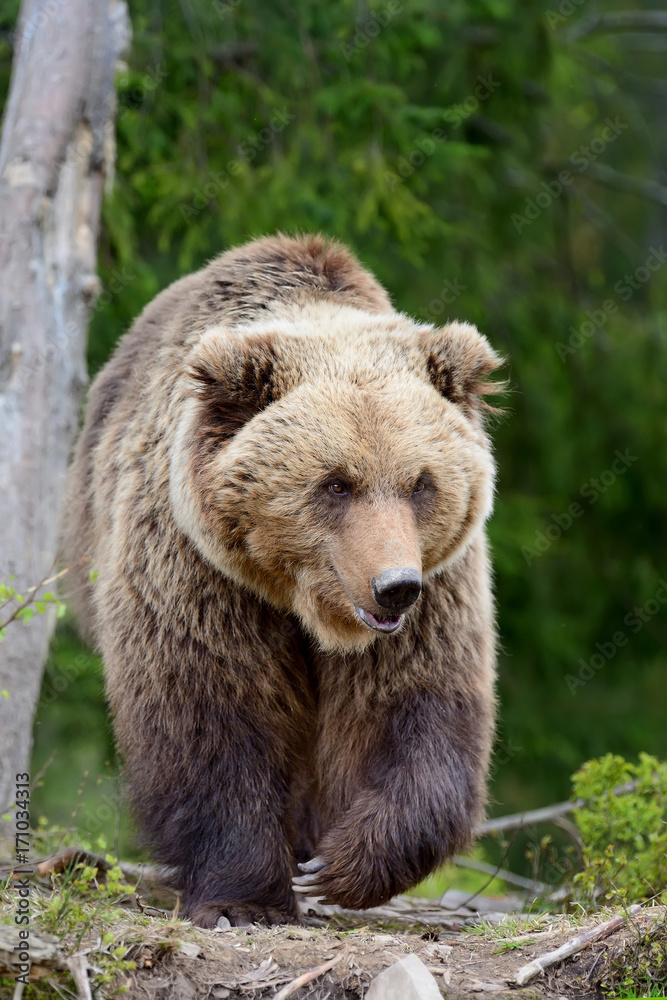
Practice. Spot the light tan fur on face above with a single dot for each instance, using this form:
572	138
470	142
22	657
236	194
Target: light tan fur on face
378	535
353	398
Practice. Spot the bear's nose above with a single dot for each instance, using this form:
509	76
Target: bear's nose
397	589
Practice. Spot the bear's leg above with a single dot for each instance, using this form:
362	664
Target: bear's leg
216	816
207	760
413	797
404	745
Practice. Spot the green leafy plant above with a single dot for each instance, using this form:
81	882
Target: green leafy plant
15	607
621	814
639	969
83	908
630	993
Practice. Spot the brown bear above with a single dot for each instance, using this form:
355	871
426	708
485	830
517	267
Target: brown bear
283	483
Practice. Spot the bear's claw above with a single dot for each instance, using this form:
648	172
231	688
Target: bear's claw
314	865
307	884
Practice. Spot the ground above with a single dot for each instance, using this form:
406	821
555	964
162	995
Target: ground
470	955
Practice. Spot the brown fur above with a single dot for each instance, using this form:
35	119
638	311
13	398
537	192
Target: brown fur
260	720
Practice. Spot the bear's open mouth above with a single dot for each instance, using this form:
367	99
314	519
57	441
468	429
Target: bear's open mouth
388	624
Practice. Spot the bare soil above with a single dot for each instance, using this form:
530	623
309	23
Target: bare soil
474	962
472	953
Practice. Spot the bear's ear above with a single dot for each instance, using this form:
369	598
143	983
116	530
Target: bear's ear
458	360
232	376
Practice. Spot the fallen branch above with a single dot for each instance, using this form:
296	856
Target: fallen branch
78	967
60	862
620	20
652	190
306	978
529	884
573	946
68	858
547	814
45	952
517	820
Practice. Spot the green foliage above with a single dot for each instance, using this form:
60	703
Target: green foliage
640	969
15	607
624	836
82	908
91	909
630	990
74	769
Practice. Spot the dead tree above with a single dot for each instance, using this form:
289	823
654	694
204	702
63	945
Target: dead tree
55	153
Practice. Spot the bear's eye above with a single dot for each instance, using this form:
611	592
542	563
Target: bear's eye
338	488
419	487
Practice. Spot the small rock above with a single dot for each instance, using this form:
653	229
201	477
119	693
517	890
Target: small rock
408	979
441	951
182	988
189	948
223	924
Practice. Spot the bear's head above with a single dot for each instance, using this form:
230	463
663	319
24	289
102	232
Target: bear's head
332	460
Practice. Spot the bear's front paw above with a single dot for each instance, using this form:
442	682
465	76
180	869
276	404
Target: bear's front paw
238	914
354	886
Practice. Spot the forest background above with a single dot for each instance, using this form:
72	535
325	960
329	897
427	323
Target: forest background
493	161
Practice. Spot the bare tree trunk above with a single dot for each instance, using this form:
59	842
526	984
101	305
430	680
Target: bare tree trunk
56	149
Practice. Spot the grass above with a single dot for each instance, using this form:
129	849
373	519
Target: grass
625	995
91	912
639	968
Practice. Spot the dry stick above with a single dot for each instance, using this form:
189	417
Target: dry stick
545	815
571	947
652	190
78	966
32	591
622	20
77	855
518	820
529	884
306	978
